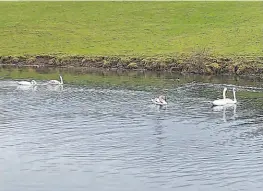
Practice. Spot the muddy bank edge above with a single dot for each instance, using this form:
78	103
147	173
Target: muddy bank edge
196	64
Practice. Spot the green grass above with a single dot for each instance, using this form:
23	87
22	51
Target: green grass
131	28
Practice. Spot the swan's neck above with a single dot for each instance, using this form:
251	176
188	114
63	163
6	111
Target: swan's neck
61	80
224	94
234	94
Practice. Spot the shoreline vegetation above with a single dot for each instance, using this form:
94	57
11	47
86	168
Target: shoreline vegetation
198	63
186	37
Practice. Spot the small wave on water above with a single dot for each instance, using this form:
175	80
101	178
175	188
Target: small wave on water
98	138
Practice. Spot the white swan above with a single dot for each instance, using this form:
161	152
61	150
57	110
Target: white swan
26	83
56	82
225	100
160	101
230	101
220	101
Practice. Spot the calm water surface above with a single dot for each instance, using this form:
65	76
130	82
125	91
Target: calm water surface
83	137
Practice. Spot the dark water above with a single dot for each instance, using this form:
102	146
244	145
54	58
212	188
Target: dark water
83	137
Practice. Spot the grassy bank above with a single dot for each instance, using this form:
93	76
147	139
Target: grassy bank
131	28
198	63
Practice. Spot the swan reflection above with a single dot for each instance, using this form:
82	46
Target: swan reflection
224	108
27	88
55	88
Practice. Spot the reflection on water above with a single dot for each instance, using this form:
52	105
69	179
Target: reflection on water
55	87
223	108
81	137
32	88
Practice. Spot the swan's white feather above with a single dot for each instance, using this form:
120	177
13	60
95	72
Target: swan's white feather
157	101
24	83
225	100
56	82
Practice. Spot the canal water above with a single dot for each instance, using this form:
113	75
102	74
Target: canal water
102	132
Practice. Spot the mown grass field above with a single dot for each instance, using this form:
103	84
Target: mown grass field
131	28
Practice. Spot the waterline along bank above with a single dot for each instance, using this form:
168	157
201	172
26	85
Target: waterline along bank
185	37
197	63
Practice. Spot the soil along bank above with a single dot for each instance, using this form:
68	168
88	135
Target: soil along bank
197	63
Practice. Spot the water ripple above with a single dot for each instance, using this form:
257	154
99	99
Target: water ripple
78	137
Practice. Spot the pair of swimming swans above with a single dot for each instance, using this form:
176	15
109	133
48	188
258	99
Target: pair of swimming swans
33	82
225	100
161	100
